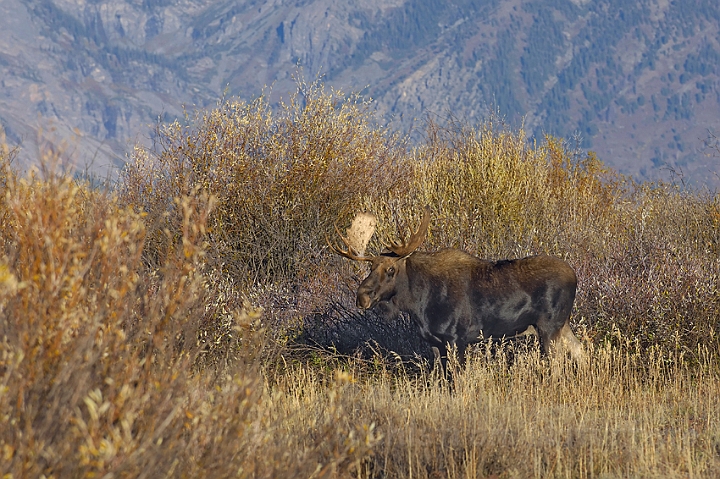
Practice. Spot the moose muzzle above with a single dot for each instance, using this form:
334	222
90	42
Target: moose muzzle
364	301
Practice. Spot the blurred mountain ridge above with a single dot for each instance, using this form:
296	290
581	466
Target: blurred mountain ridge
635	81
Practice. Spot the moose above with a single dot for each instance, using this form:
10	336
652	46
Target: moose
456	298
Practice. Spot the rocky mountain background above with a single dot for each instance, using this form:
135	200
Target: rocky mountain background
637	81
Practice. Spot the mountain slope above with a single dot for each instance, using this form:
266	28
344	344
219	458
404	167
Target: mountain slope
637	80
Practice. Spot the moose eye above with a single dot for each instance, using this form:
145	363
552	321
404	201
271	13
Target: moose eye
391	271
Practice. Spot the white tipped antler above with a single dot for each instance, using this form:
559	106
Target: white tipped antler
358	236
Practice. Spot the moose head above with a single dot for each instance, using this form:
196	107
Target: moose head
380	284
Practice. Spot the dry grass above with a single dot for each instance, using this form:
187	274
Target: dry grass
132	343
626	415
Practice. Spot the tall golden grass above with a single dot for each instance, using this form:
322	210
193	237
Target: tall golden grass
183	323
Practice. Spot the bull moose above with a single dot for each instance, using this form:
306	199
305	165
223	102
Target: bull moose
456	298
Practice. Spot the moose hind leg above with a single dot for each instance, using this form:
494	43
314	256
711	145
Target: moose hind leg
571	343
562	339
546	343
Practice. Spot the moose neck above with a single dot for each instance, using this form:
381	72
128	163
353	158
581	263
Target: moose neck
404	298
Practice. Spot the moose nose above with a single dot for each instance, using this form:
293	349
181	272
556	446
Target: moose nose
363	301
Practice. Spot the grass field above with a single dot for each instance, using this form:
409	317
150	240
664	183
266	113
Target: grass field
190	321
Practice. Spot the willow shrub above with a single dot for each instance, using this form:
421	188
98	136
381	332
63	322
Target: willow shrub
497	195
107	366
281	178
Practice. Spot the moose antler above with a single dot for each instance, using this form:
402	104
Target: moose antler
405	248
358	236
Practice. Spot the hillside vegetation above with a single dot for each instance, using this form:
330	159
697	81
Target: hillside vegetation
190	320
636	81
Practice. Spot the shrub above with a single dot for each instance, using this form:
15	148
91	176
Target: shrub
281	178
498	196
104	366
